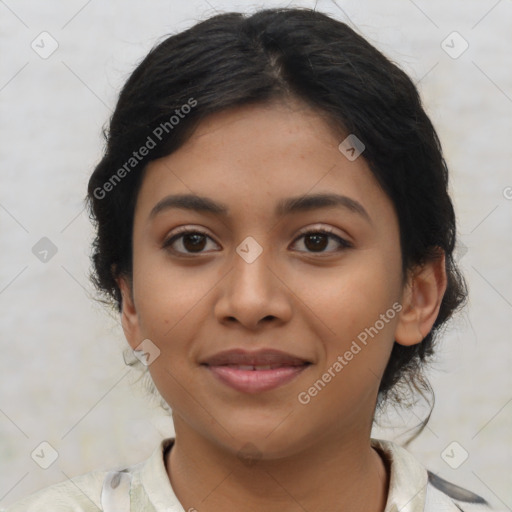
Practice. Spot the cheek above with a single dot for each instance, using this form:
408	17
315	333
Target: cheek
354	309
350	297
171	309
168	294
357	349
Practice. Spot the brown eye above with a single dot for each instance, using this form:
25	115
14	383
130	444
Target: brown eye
318	240
191	241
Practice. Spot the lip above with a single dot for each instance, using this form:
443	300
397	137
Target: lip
260	357
232	367
256	381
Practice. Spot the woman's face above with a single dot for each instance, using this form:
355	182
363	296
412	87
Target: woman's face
250	279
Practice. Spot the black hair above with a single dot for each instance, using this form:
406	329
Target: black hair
233	59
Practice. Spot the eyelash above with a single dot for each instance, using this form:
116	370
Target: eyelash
324	231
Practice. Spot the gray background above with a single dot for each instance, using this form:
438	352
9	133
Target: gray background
63	379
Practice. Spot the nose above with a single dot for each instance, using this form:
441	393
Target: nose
254	294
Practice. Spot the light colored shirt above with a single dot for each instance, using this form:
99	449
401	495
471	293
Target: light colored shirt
145	487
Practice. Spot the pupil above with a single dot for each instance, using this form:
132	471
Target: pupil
316	238
194	245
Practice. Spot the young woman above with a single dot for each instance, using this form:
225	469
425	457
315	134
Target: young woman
274	227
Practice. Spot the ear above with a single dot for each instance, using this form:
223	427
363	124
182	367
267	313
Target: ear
129	316
421	301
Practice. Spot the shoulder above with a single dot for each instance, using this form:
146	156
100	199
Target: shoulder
104	490
413	487
79	494
441	493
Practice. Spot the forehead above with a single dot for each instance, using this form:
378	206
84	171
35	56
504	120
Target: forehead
251	157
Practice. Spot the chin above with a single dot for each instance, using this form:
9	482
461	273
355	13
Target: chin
262	441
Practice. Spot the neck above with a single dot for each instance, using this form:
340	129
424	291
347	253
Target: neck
342	473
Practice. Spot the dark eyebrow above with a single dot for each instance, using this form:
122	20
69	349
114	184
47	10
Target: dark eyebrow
189	202
314	201
284	207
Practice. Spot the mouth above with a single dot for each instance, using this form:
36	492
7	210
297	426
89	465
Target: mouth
255	372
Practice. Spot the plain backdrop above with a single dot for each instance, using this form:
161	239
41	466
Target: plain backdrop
63	379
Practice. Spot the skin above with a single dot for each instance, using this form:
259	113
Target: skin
309	302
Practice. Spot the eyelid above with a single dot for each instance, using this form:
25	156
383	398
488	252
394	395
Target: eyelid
320	228
187	229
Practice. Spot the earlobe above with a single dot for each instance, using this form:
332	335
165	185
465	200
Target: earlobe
129	316
422	299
